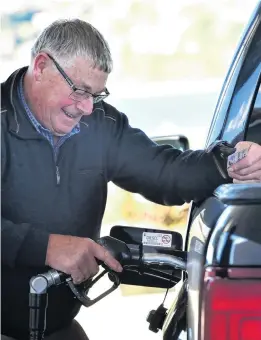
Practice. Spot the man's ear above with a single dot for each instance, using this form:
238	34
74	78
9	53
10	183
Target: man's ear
40	64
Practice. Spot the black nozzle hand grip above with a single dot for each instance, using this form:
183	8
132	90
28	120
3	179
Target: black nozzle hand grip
117	248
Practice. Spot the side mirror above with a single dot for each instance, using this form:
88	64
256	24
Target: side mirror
145	240
177	141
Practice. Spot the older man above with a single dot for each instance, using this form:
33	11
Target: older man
61	145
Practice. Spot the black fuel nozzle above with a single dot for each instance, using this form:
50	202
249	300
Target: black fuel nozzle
117	248
120	251
38	297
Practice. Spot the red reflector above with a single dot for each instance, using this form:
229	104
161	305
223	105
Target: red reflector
251	329
231	308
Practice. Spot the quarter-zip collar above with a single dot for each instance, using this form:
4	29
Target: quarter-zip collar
17	118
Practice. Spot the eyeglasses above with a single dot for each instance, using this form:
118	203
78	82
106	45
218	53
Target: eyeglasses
79	94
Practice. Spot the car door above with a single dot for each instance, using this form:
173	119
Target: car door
237	117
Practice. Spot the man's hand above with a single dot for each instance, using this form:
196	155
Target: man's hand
77	256
247	169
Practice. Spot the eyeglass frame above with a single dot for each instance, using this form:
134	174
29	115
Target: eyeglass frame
96	97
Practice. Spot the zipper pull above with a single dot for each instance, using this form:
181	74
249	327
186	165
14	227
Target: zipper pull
57	175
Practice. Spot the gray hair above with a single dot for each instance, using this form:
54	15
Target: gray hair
68	39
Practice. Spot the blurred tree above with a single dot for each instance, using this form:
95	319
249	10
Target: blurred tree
204	50
154	40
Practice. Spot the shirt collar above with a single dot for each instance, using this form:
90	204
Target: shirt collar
38	126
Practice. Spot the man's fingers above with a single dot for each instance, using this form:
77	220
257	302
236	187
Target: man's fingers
88	267
236	181
256	176
242	164
104	255
253	156
92	266
243	145
77	276
246	171
111	262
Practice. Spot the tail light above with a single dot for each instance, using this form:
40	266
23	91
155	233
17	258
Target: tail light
231	304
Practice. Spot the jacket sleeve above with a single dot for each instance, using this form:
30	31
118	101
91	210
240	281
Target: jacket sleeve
162	174
22	244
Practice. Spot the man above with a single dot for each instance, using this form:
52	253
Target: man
61	145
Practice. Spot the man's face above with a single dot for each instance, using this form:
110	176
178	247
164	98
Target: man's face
55	109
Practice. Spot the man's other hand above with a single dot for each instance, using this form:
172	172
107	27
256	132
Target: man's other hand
247	169
77	256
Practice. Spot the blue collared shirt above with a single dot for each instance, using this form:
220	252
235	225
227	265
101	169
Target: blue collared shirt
42	130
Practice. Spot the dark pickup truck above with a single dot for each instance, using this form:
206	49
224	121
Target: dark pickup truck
219	294
216	269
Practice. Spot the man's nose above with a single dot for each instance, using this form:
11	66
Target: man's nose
85	105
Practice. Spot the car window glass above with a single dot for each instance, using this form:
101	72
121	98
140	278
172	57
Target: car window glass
253	131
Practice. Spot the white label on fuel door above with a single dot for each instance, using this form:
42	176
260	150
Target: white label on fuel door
156	239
